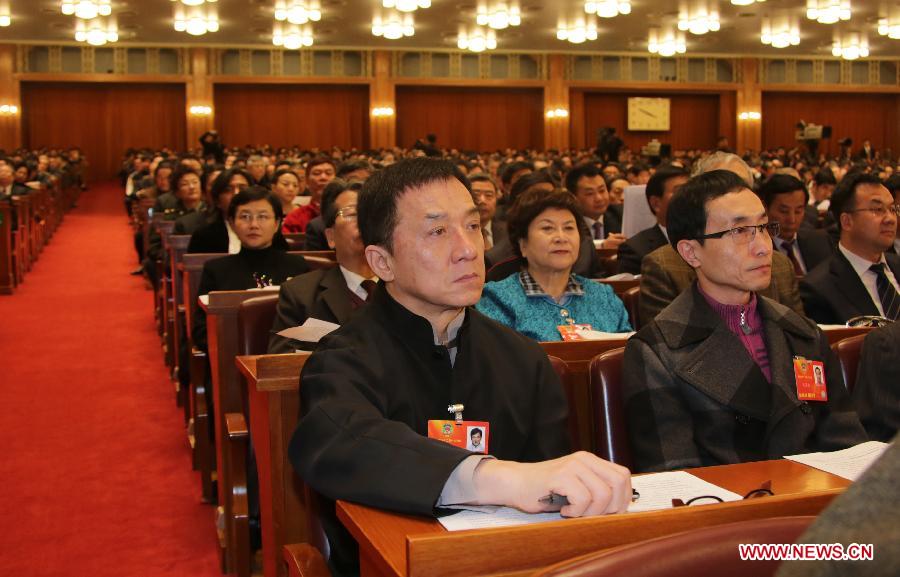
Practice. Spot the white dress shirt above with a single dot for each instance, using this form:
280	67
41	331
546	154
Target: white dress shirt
234	243
354	282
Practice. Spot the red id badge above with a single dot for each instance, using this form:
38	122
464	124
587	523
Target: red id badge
810	379
572	332
469	435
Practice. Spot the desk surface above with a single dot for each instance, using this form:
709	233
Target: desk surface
385	538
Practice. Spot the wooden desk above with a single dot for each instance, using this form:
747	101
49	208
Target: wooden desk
402	545
839	333
273	391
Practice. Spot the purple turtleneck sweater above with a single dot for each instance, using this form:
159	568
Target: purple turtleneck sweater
753	340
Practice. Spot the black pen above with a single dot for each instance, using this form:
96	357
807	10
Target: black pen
562	500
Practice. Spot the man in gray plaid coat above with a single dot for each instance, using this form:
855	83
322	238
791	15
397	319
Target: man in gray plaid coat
712	379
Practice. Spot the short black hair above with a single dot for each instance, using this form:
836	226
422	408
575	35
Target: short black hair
252	194
824	176
637	168
484	177
513	167
686	217
220	184
378	198
529	205
352	166
180	172
893	184
843	199
656	186
579	172
781	184
530	180
281	172
476	430
332	191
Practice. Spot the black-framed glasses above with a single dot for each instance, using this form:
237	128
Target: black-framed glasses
764	490
745	234
869	321
879	211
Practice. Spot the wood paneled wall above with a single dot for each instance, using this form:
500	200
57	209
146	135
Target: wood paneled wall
696	120
860	116
286	115
103	119
471	118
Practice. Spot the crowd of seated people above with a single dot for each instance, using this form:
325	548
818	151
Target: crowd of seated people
745	256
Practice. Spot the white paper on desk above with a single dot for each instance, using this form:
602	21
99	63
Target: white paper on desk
826	328
658	489
501	517
311	331
602	336
848	463
622	276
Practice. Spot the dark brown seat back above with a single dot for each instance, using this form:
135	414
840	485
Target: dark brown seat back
565	377
607	409
255	319
707	551
847	351
630	300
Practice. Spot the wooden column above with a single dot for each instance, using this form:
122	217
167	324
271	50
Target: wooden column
556	97
749	100
382	129
10	125
199	92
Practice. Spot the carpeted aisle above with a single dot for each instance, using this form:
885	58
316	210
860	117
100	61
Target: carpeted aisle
95	472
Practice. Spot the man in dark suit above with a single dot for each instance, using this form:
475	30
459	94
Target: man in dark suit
659	191
603	221
484	193
877	390
785	200
860	279
821	189
711	380
334	294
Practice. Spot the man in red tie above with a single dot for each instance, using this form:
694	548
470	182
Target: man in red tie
333	295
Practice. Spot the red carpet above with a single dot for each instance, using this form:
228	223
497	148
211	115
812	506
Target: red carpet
95	477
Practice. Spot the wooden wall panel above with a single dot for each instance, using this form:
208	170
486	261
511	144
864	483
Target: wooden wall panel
694	120
859	116
308	116
479	119
103	119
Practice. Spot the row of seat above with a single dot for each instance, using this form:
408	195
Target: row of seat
26	224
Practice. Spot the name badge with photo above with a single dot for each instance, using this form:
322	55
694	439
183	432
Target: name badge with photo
810	379
469	435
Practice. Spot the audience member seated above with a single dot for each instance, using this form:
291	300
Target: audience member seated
285	186
319	172
545	301
371	388
785	200
616	187
859	279
877	390
893	186
214	233
820	189
255	215
334	294
603	221
315	231
659	191
185	196
637	174
8	185
484	193
256	168
715	378
665	275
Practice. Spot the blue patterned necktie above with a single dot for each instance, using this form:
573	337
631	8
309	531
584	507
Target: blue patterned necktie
890	301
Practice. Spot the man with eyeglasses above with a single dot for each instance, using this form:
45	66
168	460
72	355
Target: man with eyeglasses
336	294
484	193
860	279
719	374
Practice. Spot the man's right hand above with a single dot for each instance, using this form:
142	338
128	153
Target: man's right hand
591	485
613	240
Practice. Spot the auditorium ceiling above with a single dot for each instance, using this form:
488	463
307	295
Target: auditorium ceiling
348	23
